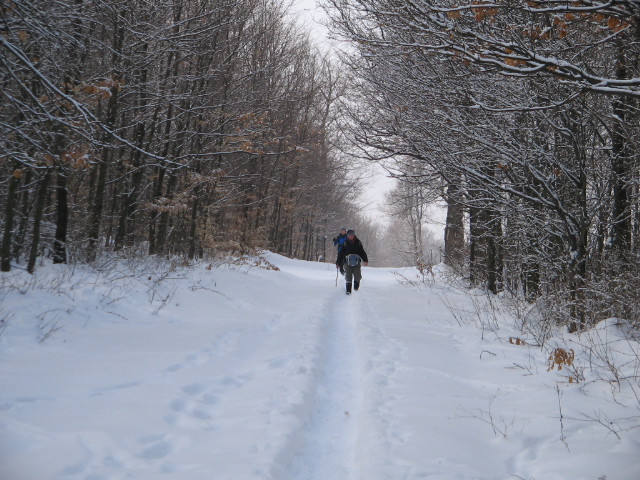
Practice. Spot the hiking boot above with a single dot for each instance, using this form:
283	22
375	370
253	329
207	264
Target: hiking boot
348	289
356	285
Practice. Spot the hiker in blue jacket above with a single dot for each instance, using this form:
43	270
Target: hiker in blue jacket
339	242
350	257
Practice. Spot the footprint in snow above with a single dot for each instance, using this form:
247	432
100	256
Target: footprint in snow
156	450
194	389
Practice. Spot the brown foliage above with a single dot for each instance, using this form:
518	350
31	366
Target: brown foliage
560	357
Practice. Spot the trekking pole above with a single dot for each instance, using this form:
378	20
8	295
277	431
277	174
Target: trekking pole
336	276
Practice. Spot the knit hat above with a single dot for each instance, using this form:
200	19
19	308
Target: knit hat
351	231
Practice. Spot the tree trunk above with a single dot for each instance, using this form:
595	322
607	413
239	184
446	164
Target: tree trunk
124	235
474	246
37	221
621	169
98	204
8	219
193	226
495	281
62	218
163	223
454	229
158	180
24	218
110	121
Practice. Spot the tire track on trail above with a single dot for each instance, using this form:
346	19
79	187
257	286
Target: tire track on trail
326	448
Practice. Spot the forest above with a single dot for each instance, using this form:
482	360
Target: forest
523	116
190	126
165	128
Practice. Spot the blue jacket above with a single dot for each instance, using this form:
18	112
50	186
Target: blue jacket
339	241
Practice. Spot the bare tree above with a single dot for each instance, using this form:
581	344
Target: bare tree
172	128
518	108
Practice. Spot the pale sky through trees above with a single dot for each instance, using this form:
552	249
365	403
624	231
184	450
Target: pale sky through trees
310	14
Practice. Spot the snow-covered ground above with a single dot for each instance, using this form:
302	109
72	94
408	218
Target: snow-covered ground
246	372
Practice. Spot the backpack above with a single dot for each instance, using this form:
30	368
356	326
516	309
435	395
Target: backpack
353	260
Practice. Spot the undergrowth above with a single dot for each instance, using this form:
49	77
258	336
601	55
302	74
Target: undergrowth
605	353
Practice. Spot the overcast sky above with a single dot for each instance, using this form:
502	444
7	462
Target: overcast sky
313	17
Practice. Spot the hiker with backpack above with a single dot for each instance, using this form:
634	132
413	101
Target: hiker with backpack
339	242
350	258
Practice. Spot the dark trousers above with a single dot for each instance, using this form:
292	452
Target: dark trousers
352	273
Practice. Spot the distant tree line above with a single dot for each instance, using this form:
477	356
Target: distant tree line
409	206
525	115
171	128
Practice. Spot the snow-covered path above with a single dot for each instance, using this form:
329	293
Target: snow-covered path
254	374
326	448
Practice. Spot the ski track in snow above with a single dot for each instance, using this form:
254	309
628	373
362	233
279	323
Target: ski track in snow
329	436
